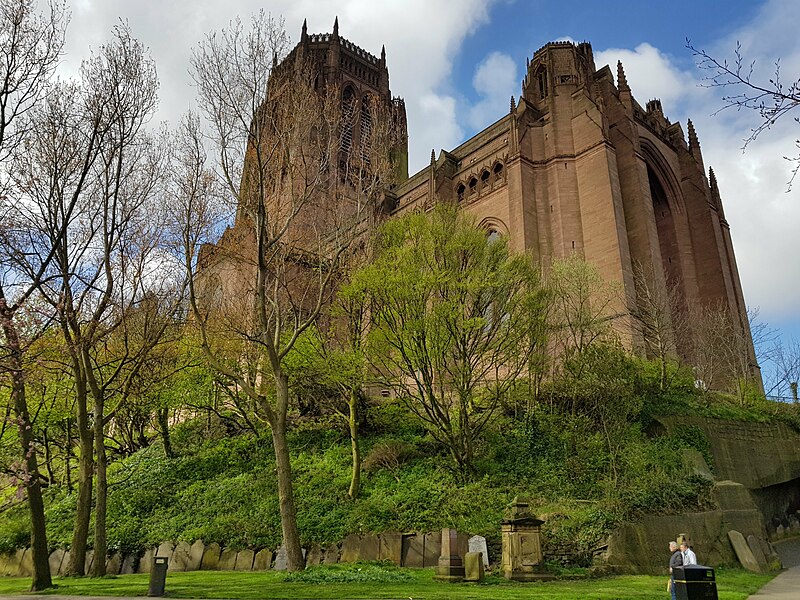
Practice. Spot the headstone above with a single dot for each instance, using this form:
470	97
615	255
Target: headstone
211	556
473	567
56	556
12	566
780	531
227	559
314	556
180	558
413	550
64	563
128	564
331	556
743	552
165	550
25	562
391	548
89	561
433	549
351	549
449	567
196	555
146	561
244	560
114	564
773	560
281	559
262	560
369	548
758	553
4	558
477	543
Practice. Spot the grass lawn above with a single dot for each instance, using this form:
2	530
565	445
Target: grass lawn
383	582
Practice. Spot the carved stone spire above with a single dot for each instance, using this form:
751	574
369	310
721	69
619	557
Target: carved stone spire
433	156
304	32
383	55
622	81
336	27
274	59
513	105
694	144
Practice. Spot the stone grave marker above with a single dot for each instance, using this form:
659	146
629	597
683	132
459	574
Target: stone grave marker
196	556
780	531
89	561
244	560
55	558
262	560
743	552
227	559
147	561
180	558
64	563
331	555
413	550
165	549
477	543
433	549
450	566
211	556
369	548
391	547
351	549
281	559
473	567
758	553
114	564
314	556
128	565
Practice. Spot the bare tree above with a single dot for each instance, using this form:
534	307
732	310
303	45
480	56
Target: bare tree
661	315
772	98
30	46
303	197
785	359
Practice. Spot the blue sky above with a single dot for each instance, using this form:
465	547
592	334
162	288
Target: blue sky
457	62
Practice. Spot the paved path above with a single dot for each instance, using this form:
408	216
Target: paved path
785	586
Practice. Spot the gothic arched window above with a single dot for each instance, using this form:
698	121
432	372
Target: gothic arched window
348	117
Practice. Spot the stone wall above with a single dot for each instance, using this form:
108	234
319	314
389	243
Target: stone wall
404	549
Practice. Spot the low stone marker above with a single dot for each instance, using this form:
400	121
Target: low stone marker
314	556
262	560
473	567
26	563
281	559
147	561
244	560
351	549
128	565
180	558
331	556
369	548
780	531
165	550
56	556
227	559
477	543
210	561
413	550
195	555
758	553
391	547
89	561
114	564
743	552
450	567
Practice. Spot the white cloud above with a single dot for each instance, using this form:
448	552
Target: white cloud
495	80
420	51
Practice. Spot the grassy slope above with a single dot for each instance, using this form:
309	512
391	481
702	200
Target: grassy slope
417	584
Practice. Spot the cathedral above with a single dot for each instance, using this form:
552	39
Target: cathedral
576	165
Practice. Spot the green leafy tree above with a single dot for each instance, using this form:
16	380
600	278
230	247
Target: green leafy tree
451	316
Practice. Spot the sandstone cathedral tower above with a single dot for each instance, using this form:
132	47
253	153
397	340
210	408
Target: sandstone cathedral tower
577	165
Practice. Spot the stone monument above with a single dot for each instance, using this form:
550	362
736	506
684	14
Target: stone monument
522	544
450	567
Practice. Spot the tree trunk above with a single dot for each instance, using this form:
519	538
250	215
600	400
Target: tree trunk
83	509
355	478
163	428
291	535
41	565
101	464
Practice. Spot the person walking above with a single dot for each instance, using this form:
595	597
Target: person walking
689	557
676	560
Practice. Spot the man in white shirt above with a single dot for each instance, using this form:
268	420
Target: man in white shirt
689	557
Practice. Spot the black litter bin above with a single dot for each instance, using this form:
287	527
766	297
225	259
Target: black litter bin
695	582
158	576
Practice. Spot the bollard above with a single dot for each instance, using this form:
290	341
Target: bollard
158	576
